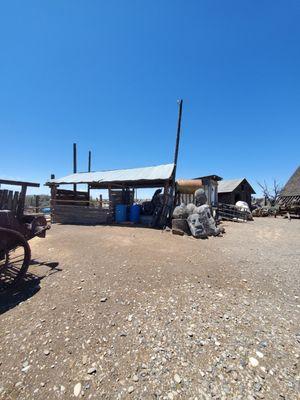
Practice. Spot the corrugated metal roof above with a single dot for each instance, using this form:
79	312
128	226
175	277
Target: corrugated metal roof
159	172
229	185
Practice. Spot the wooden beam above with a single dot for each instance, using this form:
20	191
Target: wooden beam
18	183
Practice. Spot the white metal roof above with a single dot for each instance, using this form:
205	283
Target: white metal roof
229	185
159	172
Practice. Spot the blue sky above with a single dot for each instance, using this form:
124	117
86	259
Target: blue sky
107	75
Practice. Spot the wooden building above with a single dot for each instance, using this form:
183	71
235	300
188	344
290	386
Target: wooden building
290	194
75	207
211	185
233	190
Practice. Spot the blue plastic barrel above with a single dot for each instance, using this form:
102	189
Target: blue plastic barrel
134	213
121	213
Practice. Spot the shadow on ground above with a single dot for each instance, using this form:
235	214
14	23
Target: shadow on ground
29	287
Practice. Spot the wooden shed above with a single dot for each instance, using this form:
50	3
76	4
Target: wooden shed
76	207
233	190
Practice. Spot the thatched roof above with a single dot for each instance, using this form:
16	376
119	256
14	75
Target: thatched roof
292	187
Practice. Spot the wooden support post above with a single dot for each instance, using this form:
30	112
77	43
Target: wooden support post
74	163
21	204
89	170
37	203
53	201
15	202
89	190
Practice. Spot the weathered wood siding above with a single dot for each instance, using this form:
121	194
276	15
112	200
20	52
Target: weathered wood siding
80	215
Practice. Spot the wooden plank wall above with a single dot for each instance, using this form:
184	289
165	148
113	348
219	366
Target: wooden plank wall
80	198
80	215
9	200
185	198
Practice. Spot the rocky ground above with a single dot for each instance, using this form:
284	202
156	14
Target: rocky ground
133	313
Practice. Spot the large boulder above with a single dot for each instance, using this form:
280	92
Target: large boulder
200	197
180	212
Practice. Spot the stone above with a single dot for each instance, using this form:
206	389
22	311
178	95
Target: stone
77	389
253	362
91	370
84	359
259	354
257	387
130	389
177	378
46	352
103	299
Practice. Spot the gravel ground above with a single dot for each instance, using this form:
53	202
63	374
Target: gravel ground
133	313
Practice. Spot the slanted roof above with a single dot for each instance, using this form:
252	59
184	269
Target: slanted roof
146	174
292	187
229	185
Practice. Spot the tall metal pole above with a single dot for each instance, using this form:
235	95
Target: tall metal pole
90	161
74	162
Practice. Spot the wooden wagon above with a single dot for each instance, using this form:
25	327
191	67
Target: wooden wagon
16	228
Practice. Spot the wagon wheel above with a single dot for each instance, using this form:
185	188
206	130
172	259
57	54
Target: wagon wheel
14	258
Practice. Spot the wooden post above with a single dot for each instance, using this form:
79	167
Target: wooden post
177	141
53	201
90	161
37	203
89	170
21	204
170	202
74	163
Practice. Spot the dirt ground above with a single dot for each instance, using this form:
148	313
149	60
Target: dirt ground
131	313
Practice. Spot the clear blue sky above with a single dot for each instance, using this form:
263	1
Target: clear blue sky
107	75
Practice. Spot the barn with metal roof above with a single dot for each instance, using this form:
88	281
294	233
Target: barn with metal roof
232	190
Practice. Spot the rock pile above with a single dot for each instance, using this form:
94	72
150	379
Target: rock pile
195	219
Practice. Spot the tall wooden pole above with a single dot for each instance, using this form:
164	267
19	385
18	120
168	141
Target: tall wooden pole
90	161
177	140
89	170
74	162
170	190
